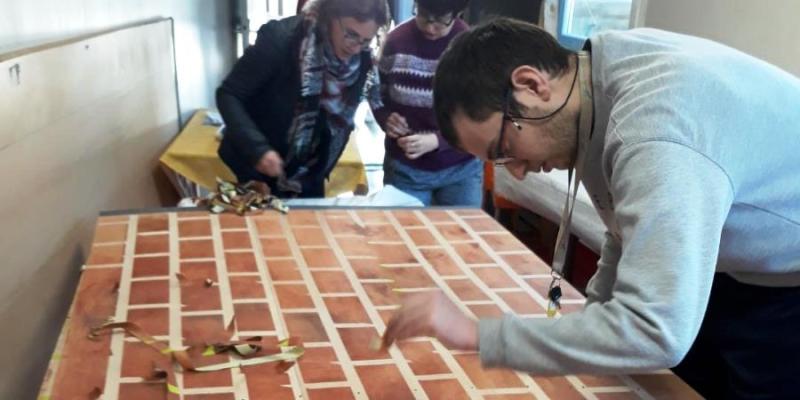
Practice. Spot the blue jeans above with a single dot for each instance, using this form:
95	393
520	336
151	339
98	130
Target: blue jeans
459	185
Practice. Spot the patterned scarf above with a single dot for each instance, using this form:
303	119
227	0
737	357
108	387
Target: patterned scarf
324	83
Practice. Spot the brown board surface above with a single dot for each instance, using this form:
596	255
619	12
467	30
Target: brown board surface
329	277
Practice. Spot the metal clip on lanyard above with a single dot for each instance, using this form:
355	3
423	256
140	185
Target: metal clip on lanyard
584	135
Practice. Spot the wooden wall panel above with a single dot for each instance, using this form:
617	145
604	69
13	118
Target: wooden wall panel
82	123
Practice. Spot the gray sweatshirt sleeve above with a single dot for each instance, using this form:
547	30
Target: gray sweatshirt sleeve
670	204
599	288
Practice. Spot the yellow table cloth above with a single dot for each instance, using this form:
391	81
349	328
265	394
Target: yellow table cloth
193	155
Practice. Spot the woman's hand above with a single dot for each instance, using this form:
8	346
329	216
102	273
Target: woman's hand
270	164
396	126
415	146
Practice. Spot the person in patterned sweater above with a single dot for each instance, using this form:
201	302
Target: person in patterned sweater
418	160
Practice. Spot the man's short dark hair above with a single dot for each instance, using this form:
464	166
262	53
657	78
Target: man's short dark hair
474	73
439	8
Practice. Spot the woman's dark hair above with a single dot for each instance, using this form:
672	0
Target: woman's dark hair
474	73
361	10
439	8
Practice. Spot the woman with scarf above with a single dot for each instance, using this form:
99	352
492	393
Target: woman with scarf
288	103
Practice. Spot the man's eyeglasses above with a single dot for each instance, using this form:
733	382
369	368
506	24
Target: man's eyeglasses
352	38
439	23
499	156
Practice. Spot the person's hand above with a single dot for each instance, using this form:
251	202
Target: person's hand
270	164
396	126
415	146
432	314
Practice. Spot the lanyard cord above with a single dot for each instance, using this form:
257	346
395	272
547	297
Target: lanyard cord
584	136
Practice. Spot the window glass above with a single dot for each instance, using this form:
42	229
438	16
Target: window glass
580	19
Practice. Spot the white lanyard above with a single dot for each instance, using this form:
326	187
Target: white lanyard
584	136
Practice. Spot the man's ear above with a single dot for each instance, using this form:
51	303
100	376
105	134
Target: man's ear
528	80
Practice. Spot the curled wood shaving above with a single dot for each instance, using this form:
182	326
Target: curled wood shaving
240	199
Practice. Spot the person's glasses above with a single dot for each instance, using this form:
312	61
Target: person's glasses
352	38
499	156
440	23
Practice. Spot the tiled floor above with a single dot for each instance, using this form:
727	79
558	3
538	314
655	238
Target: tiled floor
330	278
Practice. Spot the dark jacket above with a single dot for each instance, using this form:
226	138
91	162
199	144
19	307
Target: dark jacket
259	97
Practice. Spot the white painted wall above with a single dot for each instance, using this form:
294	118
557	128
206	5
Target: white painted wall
204	41
766	29
205	52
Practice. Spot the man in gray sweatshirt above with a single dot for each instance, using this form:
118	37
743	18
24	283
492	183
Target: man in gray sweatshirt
690	151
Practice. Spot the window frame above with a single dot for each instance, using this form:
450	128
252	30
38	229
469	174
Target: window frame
575	42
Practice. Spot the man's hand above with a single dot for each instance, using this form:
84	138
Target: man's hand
396	126
432	314
270	164
415	146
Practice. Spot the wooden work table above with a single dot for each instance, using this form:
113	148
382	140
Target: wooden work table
331	278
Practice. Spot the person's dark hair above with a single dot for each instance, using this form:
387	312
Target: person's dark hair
361	10
439	8
474	73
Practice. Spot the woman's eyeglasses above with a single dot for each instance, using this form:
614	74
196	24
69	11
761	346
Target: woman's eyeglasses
352	38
